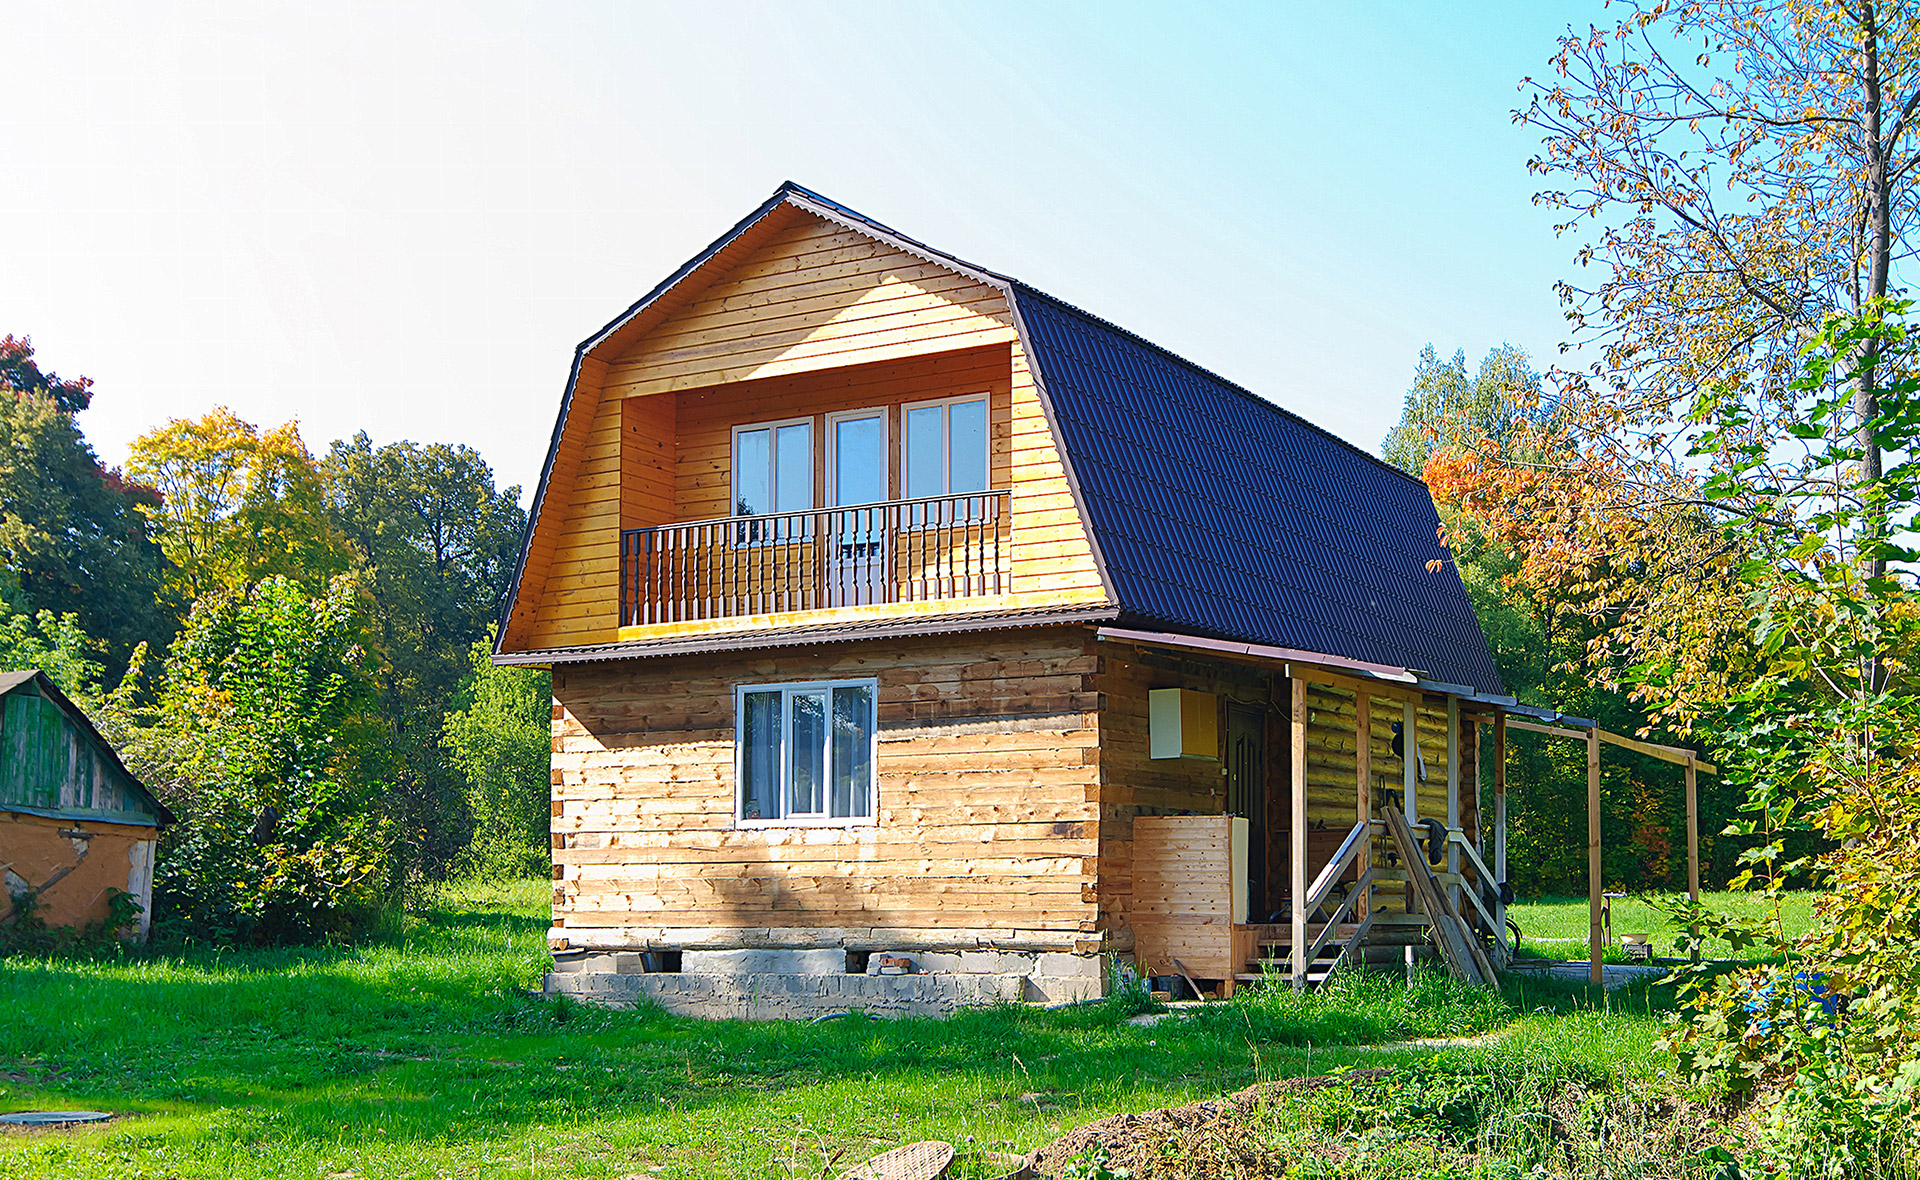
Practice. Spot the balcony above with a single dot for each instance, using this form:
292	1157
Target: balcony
921	550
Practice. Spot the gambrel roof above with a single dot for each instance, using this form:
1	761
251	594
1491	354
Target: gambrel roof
1211	510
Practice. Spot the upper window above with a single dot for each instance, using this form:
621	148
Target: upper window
946	447
805	752
773	468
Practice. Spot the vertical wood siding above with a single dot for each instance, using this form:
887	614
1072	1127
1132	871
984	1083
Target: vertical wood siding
48	762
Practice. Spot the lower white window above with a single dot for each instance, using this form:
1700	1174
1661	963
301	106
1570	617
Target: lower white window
805	752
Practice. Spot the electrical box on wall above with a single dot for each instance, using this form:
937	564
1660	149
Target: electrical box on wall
1182	723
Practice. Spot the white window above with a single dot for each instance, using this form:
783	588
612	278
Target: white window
773	467
805	752
945	447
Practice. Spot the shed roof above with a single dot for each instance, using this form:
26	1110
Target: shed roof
1211	509
74	774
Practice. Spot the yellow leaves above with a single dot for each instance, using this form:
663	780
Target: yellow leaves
235	504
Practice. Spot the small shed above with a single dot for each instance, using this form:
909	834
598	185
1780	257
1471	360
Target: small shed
74	822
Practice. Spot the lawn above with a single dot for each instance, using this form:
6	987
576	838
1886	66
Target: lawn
1556	927
424	1055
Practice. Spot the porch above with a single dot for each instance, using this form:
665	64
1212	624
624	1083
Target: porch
1354	858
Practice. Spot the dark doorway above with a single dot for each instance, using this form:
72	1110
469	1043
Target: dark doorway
1247	794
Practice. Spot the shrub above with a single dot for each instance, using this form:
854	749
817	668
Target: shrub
501	741
256	742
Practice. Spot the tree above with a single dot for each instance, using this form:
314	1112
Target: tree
72	534
1445	410
1742	170
501	739
235	505
54	644
1477	438
258	741
433	544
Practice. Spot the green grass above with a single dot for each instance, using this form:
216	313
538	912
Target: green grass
423	1055
1557	926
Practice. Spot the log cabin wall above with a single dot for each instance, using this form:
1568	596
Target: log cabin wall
802	309
988	777
1332	786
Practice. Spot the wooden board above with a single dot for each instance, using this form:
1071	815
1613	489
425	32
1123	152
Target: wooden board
1185	880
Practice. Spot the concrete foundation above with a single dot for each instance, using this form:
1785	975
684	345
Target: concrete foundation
771	996
804	983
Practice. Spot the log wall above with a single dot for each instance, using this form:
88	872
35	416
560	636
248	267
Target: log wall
988	781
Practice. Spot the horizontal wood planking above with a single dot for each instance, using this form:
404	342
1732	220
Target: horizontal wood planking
988	780
524	628
814	318
648	467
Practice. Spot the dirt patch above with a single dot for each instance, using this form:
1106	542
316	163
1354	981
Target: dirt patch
1242	1136
1215	1138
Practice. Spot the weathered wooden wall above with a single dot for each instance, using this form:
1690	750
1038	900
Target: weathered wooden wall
988	780
802	317
49	762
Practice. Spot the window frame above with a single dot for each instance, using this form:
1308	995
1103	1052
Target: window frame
782	759
830	455
946	442
773	463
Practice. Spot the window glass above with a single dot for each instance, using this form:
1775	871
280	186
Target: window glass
859	460
806	750
773	469
967	447
752	469
925	453
793	468
852	751
760	755
946	449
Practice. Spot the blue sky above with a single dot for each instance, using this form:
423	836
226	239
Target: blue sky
401	218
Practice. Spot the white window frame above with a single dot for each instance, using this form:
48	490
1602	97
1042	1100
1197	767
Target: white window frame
785	687
831	481
773	458
946	439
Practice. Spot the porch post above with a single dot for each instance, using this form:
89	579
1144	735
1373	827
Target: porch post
1363	777
1410	760
1693	846
1594	938
1297	841
1500	814
1453	794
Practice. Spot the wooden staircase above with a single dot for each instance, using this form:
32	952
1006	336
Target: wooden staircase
1384	943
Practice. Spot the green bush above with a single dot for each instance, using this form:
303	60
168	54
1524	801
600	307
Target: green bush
256	742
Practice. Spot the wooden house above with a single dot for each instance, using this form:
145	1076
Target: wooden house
899	611
74	824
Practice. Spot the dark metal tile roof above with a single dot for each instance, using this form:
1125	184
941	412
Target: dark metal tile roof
1219	512
1214	511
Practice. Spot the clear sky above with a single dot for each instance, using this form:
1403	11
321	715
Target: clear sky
402	218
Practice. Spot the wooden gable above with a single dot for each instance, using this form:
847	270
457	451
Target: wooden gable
796	309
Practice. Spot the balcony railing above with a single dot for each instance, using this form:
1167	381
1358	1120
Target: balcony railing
934	547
